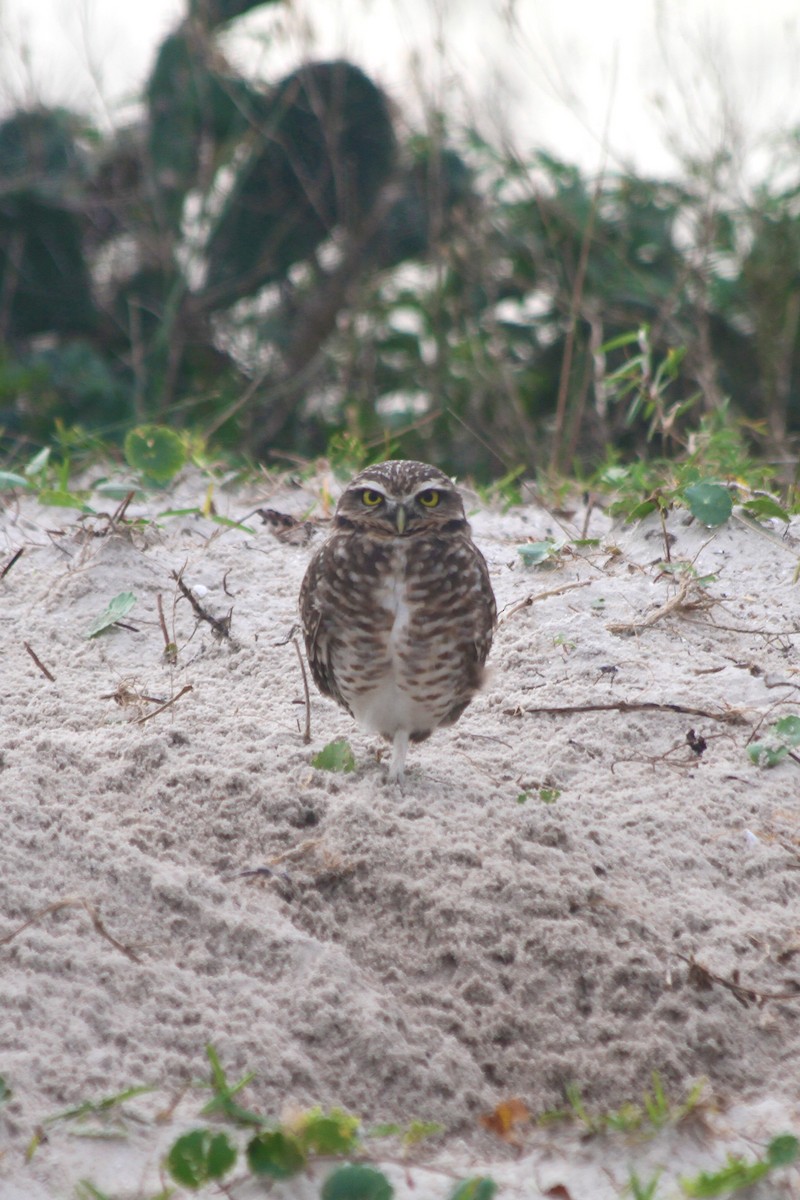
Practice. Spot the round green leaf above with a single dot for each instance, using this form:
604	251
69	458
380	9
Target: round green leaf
478	1188
200	1156
335	1132
783	1150
336	756
276	1154
156	451
357	1183
709	502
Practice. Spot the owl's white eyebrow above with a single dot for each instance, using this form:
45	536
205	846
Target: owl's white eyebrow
435	484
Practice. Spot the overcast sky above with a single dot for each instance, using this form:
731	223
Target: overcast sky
635	76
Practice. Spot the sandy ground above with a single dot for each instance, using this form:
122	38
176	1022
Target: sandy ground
584	881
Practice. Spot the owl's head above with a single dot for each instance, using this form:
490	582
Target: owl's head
401	498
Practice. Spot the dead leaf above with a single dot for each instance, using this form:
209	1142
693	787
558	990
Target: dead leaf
505	1117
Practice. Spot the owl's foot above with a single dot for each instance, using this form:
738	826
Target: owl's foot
399	749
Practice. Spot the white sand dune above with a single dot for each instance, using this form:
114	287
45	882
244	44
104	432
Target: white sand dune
523	915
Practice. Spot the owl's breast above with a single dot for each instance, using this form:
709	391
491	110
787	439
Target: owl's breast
423	656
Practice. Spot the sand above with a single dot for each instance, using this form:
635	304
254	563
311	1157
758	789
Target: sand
584	881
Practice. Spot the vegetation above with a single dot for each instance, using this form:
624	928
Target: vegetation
270	266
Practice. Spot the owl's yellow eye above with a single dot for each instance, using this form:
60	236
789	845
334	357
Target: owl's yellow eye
429	498
370	498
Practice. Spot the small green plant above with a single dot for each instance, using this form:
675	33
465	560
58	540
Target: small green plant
781	739
549	795
157	452
410	1135
655	1112
640	1190
736	1174
480	1187
538	554
114	611
200	1157
506	489
336	756
102	1109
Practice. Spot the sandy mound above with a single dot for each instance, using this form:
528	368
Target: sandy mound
524	914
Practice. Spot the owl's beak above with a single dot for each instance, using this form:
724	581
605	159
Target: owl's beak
400	518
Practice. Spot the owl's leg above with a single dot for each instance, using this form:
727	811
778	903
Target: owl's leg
399	748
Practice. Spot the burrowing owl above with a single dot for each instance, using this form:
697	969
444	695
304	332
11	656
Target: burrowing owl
397	607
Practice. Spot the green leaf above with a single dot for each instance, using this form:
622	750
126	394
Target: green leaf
417	1131
783	1150
735	1174
5	1091
55	498
480	1187
764	755
336	756
765	506
641	510
38	462
276	1154
116	609
357	1183
8	481
156	451
200	1156
710	503
784	733
335	1132
788	730
549	795
222	1100
535	553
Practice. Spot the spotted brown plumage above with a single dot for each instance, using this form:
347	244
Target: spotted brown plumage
397	606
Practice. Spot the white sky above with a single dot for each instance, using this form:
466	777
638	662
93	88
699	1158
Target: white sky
568	75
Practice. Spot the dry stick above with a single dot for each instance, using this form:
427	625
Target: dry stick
187	687
220	625
72	902
731	717
170	649
702	977
307	730
11	561
39	662
678	600
529	600
121	509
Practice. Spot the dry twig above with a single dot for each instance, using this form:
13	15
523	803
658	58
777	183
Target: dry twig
704	979
186	688
681	600
221	626
39	662
531	599
72	902
14	558
730	716
307	729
